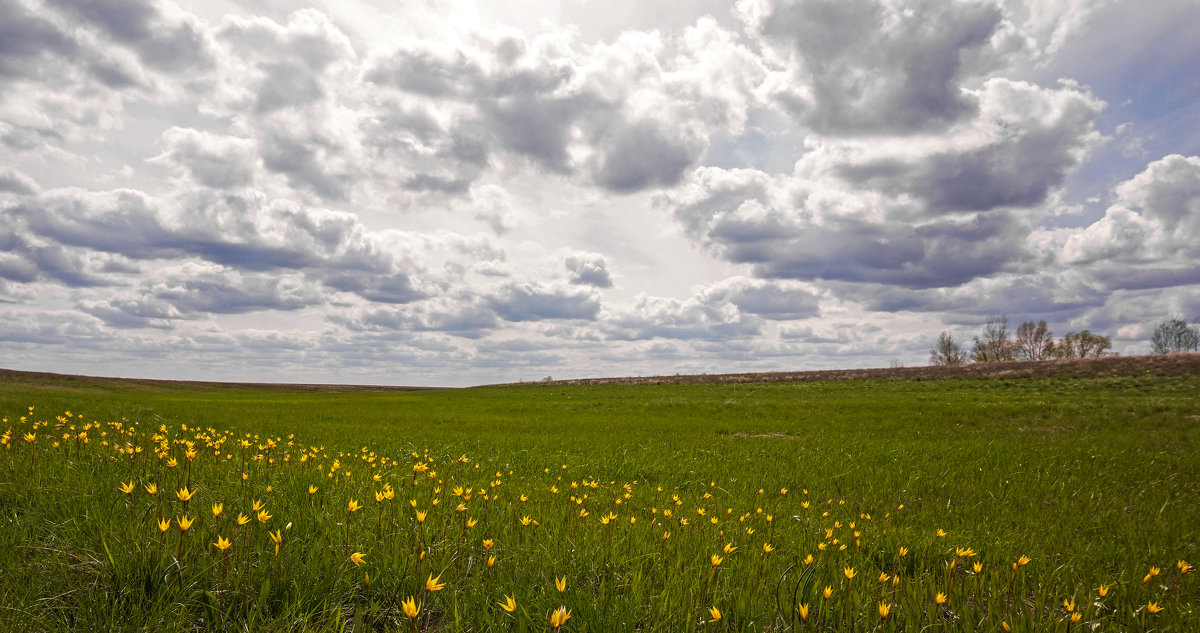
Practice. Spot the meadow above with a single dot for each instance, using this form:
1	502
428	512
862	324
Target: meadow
962	503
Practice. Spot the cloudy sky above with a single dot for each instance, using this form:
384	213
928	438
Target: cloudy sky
438	192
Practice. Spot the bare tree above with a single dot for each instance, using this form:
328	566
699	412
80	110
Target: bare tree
1082	345
1034	341
946	351
1174	335
993	344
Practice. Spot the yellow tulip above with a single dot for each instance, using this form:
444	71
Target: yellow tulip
509	604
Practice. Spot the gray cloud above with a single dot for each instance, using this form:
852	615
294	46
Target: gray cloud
874	67
16	182
211	160
169	46
524	301
25	39
588	269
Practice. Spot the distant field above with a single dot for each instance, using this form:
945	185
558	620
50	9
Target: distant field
1088	469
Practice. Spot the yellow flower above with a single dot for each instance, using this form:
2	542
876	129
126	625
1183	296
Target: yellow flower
1023	561
1185	568
30	437
940	598
172	462
560	583
127	488
1153	608
1005	626
217	508
767	548
164	525
432	584
488	543
357	559
277	538
828	592
729	549
526	521
1103	590
242	519
222	543
509	604
263	517
411	608
968	552
184	494
849	572
184	522
379	496
421	514
353	506
977	567
802	608
491	561
716	560
312	490
884	610
559	617
257	505
152	489
941	533
1076	617
883	577
1068	605
715	613
1153	572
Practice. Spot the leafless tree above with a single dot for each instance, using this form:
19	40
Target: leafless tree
1174	335
1034	341
946	351
993	344
1082	345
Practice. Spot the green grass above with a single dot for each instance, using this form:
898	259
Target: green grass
1096	479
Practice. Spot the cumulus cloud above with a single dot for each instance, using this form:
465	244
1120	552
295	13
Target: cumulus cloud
16	182
588	269
220	162
526	301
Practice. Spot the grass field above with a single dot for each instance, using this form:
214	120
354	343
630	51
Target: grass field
657	505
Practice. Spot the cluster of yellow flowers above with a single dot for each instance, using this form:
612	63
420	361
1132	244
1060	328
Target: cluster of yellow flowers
824	533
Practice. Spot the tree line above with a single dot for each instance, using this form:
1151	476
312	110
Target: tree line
1034	341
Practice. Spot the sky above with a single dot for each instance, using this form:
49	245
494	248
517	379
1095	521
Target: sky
451	193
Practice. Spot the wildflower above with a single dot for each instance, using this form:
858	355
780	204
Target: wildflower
715	613
802	609
849	572
903	551
471	523
257	505
263	517
1005	626
559	617
977	567
277	538
216	509
312	490
560	583
966	553
884	610
941	533
1153	608
1076	617
353	506
1185	568
491	561
184	494
152	489
242	519
357	559
716	560
411	608
940	598
808	560
729	549
1068	605
883	577
827	593
509	604
526	521
184	522
172	462
127	488
767	548
1153	572
433	584
222	543
164	525
421	514
1103	590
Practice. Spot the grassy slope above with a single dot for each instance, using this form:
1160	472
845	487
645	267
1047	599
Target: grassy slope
1097	471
